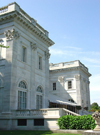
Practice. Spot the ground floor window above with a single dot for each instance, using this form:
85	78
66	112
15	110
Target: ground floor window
22	122
38	101
22	100
38	122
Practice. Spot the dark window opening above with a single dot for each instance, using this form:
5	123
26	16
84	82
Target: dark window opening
71	100
69	84
54	86
38	122
22	122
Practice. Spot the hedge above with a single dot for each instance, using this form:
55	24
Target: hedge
76	122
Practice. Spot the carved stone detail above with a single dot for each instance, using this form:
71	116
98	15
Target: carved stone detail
9	34
88	82
77	77
47	55
33	46
61	78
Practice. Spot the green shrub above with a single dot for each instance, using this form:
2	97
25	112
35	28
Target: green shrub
76	122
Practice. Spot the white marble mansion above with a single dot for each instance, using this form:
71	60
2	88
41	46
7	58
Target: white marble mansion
33	92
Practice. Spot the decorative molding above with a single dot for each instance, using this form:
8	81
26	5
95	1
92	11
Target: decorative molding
77	77
88	82
33	46
61	78
31	26
10	34
47	55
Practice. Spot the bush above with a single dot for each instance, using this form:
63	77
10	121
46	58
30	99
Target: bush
76	122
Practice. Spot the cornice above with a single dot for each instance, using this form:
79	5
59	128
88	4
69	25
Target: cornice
70	69
24	21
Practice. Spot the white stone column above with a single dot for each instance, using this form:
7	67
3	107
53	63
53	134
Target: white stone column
78	89
33	47
9	92
46	91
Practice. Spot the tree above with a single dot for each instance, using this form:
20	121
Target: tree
94	105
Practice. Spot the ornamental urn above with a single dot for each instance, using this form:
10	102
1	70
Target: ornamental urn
96	117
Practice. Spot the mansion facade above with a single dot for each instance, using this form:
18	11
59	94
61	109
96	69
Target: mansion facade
27	80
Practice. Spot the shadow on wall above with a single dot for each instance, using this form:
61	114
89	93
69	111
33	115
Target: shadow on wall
5	78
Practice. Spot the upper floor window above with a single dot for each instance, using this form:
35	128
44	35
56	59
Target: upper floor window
22	85
39	89
71	100
69	84
54	86
40	62
23	54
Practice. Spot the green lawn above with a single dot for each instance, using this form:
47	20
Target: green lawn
32	133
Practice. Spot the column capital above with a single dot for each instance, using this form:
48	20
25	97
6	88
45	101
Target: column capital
33	46
77	77
11	34
61	78
47	54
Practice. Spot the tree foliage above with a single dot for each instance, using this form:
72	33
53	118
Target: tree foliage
4	46
95	107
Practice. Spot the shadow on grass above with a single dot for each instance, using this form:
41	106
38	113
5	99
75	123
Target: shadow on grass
13	132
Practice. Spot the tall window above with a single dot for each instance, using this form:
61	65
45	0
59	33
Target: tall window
21	100
23	54
40	62
69	84
39	98
54	86
22	96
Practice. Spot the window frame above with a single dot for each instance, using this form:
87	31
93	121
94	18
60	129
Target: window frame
54	87
39	98
69	84
40	62
24	53
22	96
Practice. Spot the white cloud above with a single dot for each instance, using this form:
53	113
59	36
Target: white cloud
97	61
95	83
74	48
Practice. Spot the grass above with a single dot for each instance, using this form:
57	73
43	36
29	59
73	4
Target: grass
18	132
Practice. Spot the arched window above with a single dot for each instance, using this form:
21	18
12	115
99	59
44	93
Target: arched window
22	95
39	89
1	83
22	85
39	101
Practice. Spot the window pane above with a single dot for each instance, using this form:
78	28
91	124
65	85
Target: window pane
21	100
22	85
54	86
40	62
69	84
24	54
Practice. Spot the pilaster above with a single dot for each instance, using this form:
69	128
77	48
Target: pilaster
78	88
10	70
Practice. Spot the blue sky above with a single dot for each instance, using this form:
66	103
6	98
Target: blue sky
74	26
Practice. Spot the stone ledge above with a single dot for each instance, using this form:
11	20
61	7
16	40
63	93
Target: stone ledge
91	132
68	131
